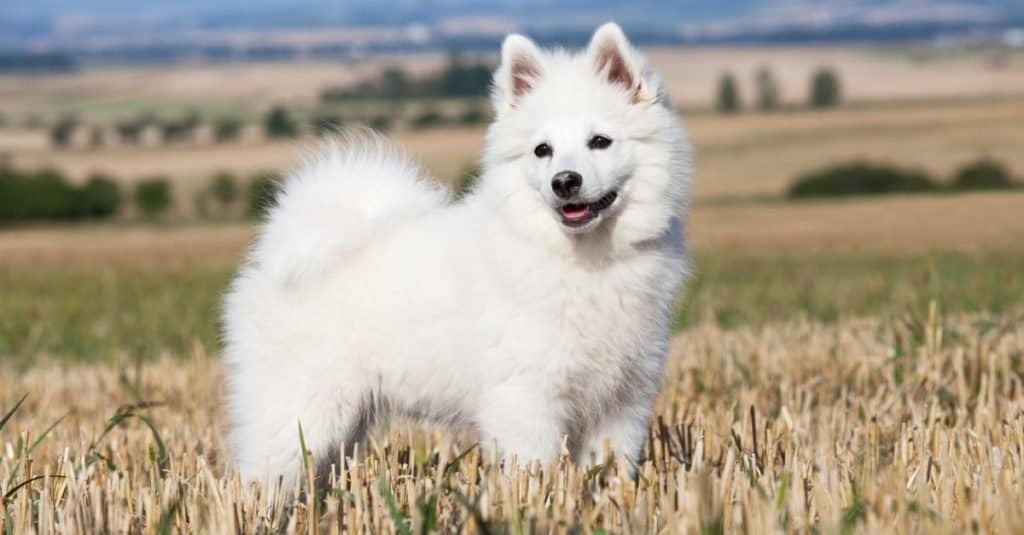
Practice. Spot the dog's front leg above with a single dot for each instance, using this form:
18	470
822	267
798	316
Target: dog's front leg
623	432
523	422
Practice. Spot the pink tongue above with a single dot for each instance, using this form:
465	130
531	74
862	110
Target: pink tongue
574	212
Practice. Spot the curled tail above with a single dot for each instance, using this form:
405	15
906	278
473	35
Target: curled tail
353	188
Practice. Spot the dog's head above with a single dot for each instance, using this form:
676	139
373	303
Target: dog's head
586	138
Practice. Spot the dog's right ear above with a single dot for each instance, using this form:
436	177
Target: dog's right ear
519	70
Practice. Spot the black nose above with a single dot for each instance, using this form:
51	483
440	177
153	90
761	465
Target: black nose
566	184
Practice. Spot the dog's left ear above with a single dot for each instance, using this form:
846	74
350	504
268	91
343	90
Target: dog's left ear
616	61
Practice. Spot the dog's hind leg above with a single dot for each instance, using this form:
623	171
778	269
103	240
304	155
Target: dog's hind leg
266	436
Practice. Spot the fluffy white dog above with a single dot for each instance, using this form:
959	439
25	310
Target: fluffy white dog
535	309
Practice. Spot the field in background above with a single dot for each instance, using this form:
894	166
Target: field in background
737	157
907	425
868	74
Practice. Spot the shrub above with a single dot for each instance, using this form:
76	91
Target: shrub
224	189
183	129
728	94
99	197
61	132
429	118
860	179
263	192
153	196
981	175
767	90
474	113
46	195
825	92
280	123
227	129
34	196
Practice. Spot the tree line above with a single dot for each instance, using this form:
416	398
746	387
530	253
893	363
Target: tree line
824	91
47	195
866	178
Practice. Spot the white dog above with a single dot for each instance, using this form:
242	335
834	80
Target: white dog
535	310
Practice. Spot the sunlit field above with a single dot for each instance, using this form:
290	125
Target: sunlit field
806	390
837	365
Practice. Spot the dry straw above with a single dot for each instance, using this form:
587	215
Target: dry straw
906	425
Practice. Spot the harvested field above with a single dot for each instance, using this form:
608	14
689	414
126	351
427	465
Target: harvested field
913	425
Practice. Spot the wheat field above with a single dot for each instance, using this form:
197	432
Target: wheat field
912	424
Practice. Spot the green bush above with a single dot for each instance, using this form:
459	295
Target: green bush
177	130
224	189
981	175
61	132
47	195
227	129
767	90
263	192
153	196
825	91
280	123
860	178
36	196
728	94
428	118
99	197
474	113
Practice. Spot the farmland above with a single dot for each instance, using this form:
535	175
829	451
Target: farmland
852	365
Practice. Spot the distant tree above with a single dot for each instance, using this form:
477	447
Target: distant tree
60	133
983	174
131	130
394	83
227	129
153	196
474	113
224	189
176	130
767	90
428	118
280	123
728	94
99	197
825	90
263	192
462	79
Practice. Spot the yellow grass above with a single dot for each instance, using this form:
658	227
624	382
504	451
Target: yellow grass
909	426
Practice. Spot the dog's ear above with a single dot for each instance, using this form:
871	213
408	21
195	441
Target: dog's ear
519	70
615	61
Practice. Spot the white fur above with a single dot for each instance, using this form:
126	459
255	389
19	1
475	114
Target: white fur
368	290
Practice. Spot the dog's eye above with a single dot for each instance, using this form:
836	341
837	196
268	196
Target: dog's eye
542	151
599	142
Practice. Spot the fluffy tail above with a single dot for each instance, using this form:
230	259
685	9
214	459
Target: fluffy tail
350	190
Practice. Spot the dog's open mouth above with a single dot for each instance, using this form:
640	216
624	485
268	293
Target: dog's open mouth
577	214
